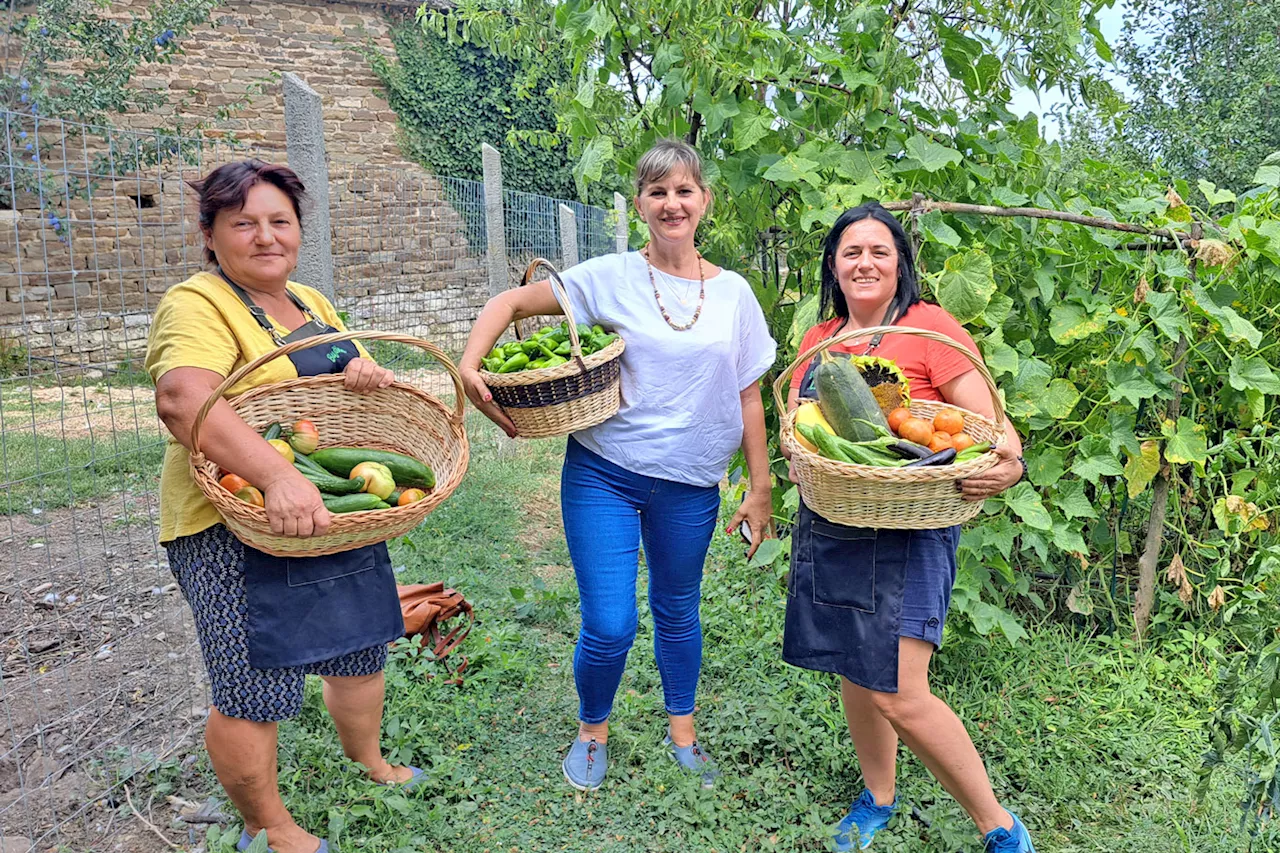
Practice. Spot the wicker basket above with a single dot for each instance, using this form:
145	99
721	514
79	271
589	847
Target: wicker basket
399	418
872	496
582	392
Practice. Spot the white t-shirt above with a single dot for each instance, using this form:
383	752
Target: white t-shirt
681	417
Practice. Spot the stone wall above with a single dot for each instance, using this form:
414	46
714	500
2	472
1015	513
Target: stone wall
77	290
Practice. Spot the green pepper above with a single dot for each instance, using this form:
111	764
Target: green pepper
973	451
535	365
602	341
492	364
555	361
516	362
510	348
546	350
564	349
597	329
496	352
530	348
584	331
544	331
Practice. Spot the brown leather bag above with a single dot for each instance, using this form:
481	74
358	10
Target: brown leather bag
428	606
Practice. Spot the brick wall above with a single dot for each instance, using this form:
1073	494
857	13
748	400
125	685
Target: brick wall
78	295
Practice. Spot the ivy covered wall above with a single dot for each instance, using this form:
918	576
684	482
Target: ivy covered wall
449	98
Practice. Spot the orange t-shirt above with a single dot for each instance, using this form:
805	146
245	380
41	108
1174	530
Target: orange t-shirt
926	364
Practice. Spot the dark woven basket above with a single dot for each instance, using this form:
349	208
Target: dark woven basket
556	391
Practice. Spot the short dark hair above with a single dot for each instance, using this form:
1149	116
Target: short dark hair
227	187
832	298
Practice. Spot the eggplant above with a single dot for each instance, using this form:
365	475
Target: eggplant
910	450
942	457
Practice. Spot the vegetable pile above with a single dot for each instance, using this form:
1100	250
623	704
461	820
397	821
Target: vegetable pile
350	479
847	424
548	348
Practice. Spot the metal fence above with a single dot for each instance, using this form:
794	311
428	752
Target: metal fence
100	678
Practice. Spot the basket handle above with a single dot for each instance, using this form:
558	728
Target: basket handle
557	286
784	379
321	340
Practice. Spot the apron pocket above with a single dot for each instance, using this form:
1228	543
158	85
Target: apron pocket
304	571
844	566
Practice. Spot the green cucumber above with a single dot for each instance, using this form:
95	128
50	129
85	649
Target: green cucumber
406	470
329	484
273	431
353	503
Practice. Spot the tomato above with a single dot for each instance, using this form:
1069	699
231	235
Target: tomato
961	440
940	441
305	425
897	416
250	495
916	430
377	478
233	482
949	421
409	496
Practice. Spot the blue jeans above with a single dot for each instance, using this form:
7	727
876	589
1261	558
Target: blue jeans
607	512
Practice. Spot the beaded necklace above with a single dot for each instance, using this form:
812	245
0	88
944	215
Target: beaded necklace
702	294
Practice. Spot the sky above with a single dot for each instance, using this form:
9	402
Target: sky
1025	100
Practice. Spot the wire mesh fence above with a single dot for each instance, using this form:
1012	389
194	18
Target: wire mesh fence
100	676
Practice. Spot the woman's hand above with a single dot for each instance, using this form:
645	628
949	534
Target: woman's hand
756	511
364	376
478	394
994	480
294	507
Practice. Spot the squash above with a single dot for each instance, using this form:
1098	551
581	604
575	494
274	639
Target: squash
810	415
846	401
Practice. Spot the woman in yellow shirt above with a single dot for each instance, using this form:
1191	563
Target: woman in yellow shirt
264	622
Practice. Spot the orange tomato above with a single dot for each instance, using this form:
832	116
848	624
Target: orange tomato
961	440
897	416
233	483
949	421
940	441
409	496
250	495
916	430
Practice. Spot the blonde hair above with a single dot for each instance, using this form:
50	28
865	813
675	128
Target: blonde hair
665	157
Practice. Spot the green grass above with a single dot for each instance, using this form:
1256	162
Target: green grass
39	471
1095	743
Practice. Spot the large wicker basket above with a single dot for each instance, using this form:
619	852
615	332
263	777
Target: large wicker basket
905	498
399	418
582	392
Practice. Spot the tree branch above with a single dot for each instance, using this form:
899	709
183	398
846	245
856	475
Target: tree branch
1040	213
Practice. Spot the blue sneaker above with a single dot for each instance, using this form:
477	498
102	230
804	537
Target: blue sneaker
1015	840
694	760
863	821
246	839
585	765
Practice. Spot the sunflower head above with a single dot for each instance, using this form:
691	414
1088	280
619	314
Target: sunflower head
888	384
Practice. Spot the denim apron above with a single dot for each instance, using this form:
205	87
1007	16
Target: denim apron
844	600
302	610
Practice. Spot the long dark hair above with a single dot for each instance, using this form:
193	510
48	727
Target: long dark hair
227	187
832	301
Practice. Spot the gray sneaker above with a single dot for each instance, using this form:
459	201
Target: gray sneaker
585	765
694	760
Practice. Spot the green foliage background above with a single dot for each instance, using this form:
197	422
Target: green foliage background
1092	334
449	98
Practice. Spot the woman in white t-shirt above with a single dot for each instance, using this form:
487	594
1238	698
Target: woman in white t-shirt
697	344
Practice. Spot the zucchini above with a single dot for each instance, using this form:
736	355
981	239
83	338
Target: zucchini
353	503
273	431
406	470
847	402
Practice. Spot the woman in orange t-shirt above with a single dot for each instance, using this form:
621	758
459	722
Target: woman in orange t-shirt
869	604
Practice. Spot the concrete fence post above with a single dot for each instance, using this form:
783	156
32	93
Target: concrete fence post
304	144
568	237
494	219
620	233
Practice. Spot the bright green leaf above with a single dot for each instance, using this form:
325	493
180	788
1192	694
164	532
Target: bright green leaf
1130	382
966	285
1073	501
1060	399
1214	195
1252	373
1166	311
1045	466
793	169
1094	460
1025	501
1069	322
937	230
1185	442
932	156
